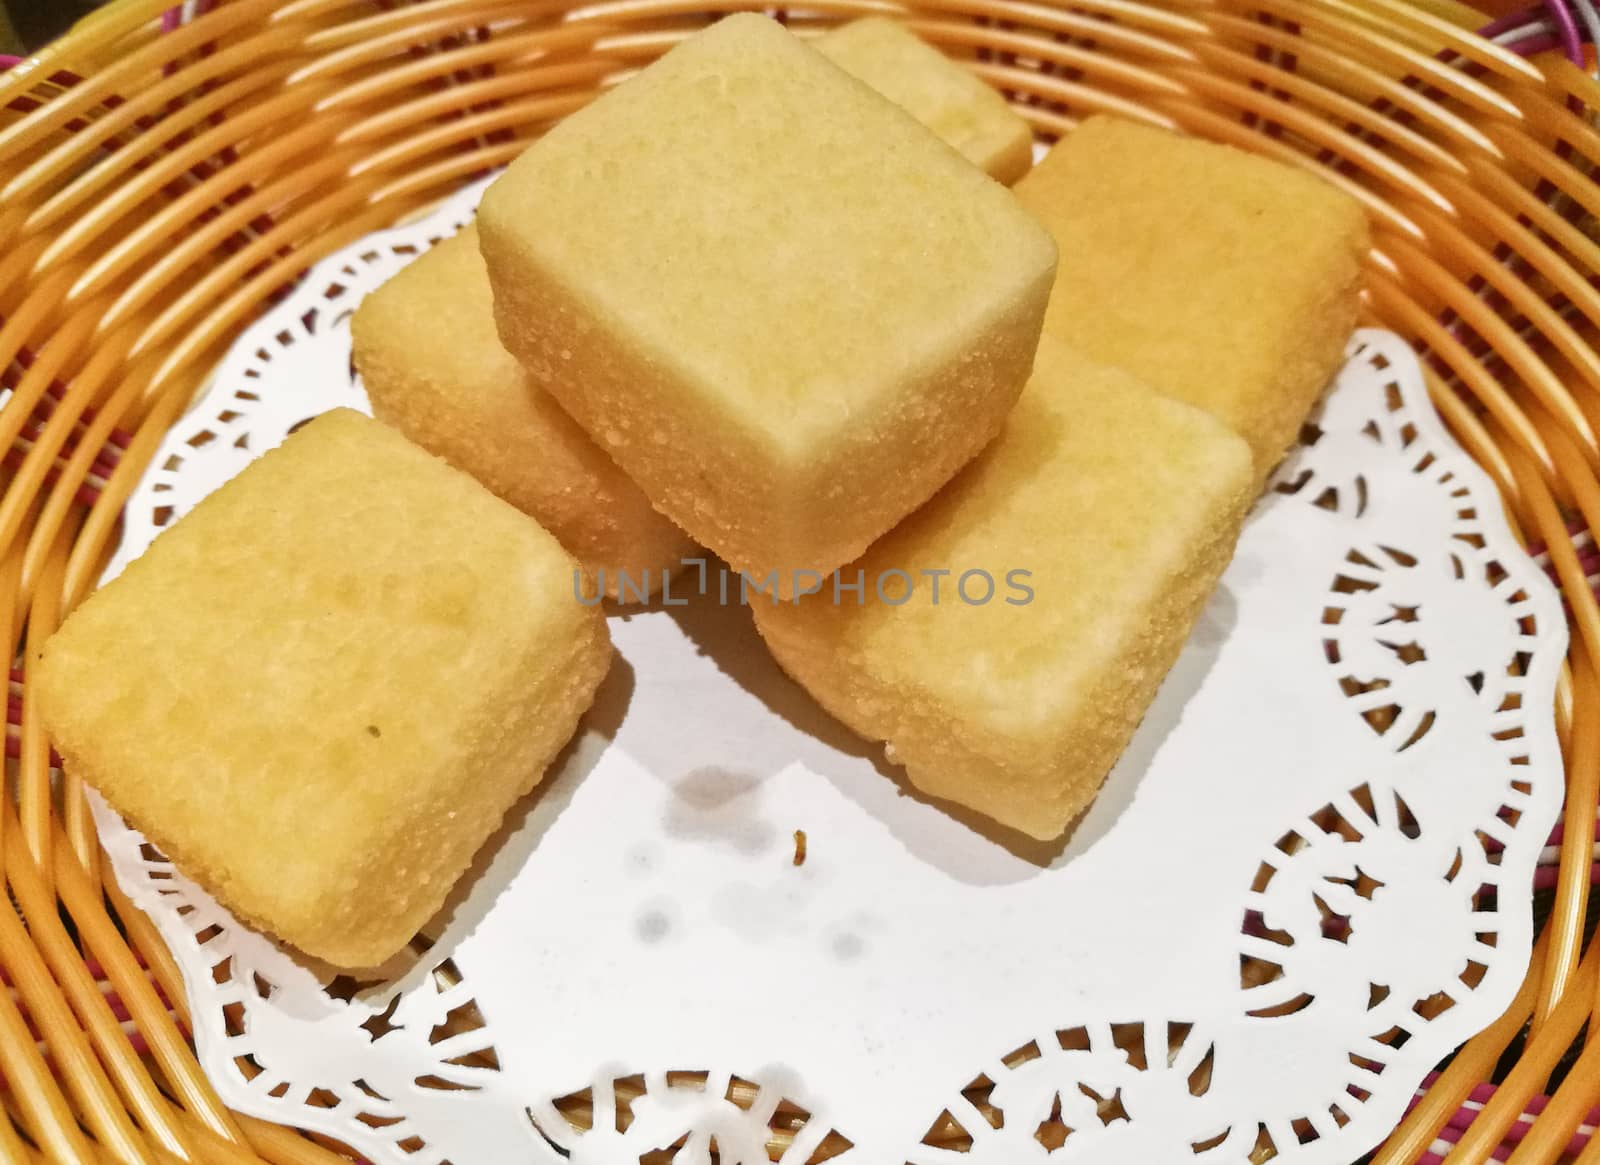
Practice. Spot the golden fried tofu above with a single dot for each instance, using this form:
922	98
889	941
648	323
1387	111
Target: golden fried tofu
1220	278
320	691
948	99
786	309
1076	553
434	368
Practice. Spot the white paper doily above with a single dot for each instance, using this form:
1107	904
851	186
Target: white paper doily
1306	882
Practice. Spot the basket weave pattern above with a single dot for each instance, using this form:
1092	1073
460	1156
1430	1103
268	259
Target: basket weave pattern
163	179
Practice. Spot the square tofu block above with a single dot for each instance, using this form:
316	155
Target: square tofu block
321	690
787	309
1012	693
935	90
434	368
1217	277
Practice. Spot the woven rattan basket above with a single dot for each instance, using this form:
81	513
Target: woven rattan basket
164	175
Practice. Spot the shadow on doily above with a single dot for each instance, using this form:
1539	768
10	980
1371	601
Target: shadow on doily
727	635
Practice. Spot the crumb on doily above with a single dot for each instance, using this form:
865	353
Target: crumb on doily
799	847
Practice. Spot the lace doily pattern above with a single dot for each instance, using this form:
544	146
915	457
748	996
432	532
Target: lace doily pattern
688	1118
392	1051
1092	1092
1367	703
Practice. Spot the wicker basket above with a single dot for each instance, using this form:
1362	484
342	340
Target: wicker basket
164	175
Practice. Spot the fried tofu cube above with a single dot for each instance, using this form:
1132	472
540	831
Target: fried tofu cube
1076	553
426	347
1220	278
320	691
786	309
973	118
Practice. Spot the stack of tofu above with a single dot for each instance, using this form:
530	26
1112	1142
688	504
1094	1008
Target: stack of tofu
774	299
